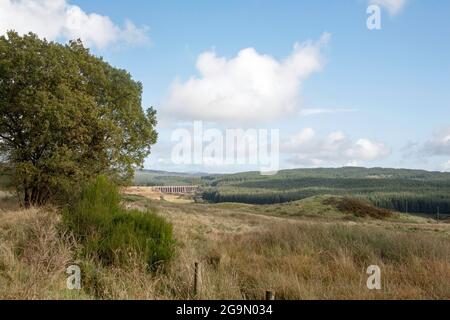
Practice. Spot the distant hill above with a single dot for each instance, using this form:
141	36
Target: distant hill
168	173
165	178
345	172
403	190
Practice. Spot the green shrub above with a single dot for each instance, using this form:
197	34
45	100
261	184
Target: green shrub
134	232
115	235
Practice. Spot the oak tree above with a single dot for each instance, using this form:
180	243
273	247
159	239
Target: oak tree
66	116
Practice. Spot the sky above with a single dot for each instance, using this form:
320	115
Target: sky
338	92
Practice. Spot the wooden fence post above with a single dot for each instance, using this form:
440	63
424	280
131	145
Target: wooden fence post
270	295
197	279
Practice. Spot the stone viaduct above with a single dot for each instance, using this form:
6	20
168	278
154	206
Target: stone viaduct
175	189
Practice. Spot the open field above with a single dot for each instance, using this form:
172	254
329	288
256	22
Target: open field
308	249
181	151
149	193
305	250
411	191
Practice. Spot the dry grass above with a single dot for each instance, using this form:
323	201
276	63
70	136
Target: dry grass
33	255
242	254
313	261
8	201
329	262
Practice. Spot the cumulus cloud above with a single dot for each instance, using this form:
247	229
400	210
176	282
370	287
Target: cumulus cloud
307	148
57	19
439	144
446	166
248	87
318	111
392	6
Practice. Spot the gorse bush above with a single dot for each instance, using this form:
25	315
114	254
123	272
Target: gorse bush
114	235
135	232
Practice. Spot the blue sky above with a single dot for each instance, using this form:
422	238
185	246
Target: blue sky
367	97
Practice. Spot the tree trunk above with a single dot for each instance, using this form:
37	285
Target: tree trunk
26	199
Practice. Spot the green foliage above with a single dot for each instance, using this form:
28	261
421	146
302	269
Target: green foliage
115	235
67	116
145	234
413	191
5	177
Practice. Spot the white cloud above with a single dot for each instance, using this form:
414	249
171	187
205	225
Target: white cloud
318	111
57	19
439	144
307	148
248	87
446	166
392	6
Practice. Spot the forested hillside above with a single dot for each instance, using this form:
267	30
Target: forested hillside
163	178
415	191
